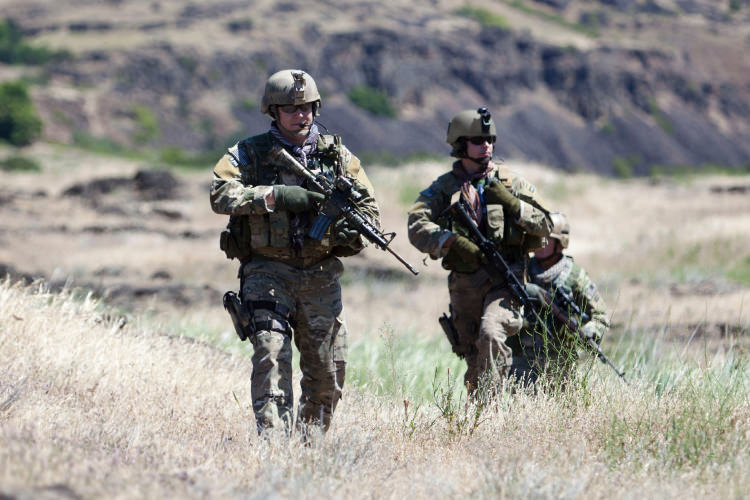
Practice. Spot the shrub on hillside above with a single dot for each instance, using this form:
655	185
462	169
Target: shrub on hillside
13	50
18	163
20	124
373	100
147	125
483	16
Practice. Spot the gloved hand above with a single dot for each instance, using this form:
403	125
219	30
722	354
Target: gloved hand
464	256
589	331
295	198
497	193
343	233
536	292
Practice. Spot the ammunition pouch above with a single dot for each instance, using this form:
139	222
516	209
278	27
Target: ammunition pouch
234	241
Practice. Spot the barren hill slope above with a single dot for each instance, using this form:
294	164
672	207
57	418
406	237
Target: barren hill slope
614	86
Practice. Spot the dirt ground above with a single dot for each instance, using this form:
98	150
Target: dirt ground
660	249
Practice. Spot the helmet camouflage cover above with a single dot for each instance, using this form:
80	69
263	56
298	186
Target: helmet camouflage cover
560	228
470	123
289	86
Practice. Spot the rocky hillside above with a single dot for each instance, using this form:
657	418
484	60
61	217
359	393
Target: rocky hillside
614	86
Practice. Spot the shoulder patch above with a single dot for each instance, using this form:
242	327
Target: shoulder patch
234	155
428	192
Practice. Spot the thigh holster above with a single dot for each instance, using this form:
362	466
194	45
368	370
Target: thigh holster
243	317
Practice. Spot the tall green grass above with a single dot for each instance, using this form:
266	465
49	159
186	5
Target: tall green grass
684	411
404	366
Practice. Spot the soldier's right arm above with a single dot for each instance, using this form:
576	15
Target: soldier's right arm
424	232
231	196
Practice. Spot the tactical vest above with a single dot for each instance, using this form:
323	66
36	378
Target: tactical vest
270	235
512	242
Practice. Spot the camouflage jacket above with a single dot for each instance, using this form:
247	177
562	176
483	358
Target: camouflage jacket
429	228
243	184
573	278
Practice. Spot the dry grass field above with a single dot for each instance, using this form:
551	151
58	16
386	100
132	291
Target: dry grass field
142	389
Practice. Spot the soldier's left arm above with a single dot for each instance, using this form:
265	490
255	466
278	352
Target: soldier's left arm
368	204
591	302
534	215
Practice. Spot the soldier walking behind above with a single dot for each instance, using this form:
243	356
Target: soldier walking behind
554	275
289	281
507	210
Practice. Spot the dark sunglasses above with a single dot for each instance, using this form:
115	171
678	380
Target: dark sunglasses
291	108
479	140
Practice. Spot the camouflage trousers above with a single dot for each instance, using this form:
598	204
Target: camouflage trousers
307	308
484	317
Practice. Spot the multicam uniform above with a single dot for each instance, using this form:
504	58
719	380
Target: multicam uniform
534	353
289	282
484	312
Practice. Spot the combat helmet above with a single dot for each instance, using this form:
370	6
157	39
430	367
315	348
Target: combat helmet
289	86
469	123
560	228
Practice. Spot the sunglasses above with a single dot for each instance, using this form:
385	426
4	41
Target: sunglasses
479	140
292	108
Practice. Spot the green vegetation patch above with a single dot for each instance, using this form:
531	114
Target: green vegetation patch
403	366
147	125
102	145
483	16
408	193
712	261
689	173
19	163
740	271
389	159
555	18
659	117
20	124
13	50
692	421
624	166
190	159
372	100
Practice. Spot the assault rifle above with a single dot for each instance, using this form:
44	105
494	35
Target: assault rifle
562	301
341	200
501	272
498	268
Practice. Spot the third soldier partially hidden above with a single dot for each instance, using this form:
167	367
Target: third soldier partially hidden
507	210
290	288
571	306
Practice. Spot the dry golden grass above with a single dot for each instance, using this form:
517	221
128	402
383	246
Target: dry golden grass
90	408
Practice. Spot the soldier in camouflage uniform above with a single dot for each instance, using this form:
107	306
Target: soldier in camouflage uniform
290	282
508	211
536	354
